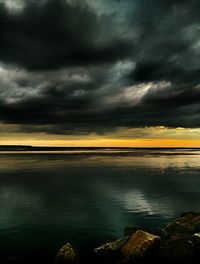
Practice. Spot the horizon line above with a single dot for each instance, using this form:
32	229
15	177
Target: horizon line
98	147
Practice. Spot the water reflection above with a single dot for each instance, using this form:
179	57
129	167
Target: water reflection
84	198
162	160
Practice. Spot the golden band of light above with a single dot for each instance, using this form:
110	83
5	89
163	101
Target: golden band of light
106	142
123	137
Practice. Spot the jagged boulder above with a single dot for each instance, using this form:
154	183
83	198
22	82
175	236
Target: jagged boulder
179	248
187	223
110	252
129	230
196	224
67	255
139	245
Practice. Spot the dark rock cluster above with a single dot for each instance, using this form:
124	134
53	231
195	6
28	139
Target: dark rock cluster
178	242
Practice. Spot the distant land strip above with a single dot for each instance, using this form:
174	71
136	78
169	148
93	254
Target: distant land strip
49	148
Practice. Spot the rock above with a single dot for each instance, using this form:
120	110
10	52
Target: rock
110	252
112	246
188	223
178	248
188	213
129	230
175	228
196	224
67	255
139	245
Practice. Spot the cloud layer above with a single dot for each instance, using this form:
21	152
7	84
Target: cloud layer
76	67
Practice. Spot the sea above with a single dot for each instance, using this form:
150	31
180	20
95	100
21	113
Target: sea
87	196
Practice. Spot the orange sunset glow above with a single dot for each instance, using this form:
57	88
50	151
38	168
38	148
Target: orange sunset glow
123	137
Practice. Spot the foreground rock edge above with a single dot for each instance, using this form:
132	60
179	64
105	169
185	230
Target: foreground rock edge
177	242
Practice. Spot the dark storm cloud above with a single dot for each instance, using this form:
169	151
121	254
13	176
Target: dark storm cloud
168	43
77	67
53	34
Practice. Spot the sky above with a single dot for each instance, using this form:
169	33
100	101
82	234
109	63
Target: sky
100	73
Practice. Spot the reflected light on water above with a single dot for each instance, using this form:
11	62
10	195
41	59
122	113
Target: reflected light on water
149	159
82	197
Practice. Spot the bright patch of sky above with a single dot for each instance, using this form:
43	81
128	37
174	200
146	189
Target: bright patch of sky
134	94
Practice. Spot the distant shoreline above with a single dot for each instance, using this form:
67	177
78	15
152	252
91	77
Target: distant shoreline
56	148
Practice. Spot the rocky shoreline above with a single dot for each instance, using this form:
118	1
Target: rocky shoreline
177	242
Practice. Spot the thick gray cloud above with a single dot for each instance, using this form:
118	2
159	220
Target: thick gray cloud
54	34
77	67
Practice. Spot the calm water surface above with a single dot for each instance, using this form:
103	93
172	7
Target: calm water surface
88	197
